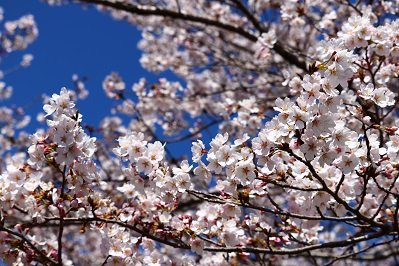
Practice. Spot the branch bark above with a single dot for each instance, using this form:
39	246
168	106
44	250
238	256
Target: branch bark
155	11
293	251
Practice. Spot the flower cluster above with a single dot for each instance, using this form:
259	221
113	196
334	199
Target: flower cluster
113	85
59	174
18	34
291	111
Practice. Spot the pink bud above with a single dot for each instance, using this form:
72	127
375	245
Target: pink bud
19	228
54	253
74	203
61	210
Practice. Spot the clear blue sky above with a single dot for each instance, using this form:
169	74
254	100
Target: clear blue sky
77	40
72	40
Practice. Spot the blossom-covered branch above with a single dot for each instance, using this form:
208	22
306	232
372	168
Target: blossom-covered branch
290	163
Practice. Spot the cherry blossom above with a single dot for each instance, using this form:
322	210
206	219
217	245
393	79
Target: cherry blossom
289	109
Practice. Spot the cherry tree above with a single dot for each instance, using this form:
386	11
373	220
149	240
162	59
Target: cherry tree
301	166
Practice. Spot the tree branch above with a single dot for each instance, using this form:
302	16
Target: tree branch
40	253
155	11
255	250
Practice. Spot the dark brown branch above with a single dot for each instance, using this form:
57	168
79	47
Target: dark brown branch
61	213
249	15
193	134
294	251
385	197
154	11
41	254
336	197
284	185
353	254
216	199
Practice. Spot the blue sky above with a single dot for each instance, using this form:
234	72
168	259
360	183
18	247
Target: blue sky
77	40
72	40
